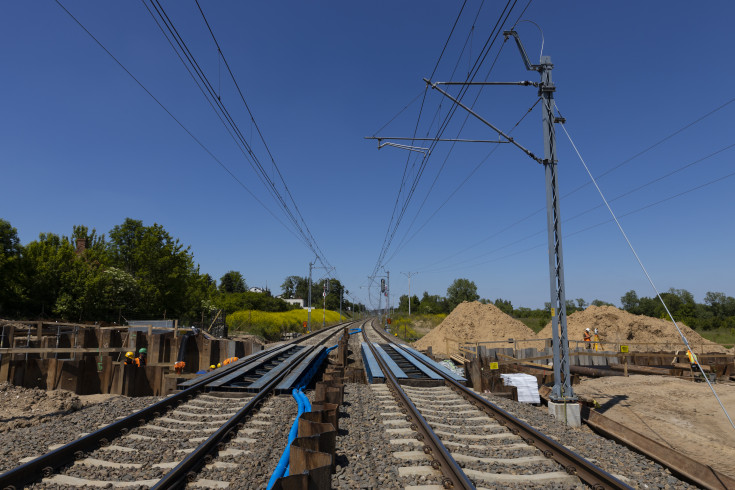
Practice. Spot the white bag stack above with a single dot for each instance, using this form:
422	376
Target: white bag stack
527	386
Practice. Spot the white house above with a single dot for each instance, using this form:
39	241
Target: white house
294	301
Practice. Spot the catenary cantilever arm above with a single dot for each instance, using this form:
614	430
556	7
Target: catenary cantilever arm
485	121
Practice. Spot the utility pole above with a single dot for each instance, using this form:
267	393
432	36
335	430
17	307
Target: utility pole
408	275
324	311
563	401
562	392
311	266
308	314
387	300
341	289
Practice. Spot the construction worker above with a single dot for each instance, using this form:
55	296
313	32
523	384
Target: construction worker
212	367
587	338
693	360
129	358
142	358
229	360
596	341
179	367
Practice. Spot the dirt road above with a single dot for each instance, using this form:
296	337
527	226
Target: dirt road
679	414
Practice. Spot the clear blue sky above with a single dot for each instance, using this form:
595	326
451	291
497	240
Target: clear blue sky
82	143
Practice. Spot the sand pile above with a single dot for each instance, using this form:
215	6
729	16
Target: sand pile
616	326
474	322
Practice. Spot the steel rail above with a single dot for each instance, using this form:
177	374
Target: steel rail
573	463
443	461
47	464
186	470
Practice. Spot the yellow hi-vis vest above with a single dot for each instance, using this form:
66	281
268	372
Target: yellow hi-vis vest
692	357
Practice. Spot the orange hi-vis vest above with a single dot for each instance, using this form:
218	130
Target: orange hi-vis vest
587	337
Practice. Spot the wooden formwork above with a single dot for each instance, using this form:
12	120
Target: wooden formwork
87	359
484	365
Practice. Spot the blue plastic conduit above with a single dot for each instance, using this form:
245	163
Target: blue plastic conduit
357	330
304	406
282	465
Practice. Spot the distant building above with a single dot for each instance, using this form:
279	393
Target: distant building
294	301
256	290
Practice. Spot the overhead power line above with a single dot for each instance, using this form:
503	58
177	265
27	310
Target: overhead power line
572	234
287	203
648	276
396	221
627	160
160	104
406	239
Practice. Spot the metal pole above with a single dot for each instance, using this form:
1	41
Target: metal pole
308	322
324	306
387	300
562	390
380	300
409	274
340	303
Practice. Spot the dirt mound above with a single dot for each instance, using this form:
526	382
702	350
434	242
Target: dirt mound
22	406
474	322
616	326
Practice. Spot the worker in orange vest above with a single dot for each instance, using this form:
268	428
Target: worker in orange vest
142	358
229	360
129	358
179	367
693	360
587	338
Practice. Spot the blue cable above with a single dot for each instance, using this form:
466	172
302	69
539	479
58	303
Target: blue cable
282	466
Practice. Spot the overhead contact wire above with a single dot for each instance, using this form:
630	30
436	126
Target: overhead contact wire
486	50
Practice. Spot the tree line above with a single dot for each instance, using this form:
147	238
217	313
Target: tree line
717	311
135	272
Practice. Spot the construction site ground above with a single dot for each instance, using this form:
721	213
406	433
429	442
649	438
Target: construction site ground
677	413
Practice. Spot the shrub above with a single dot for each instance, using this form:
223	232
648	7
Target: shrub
270	325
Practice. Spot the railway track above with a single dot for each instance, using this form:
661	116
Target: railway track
457	439
193	438
421	429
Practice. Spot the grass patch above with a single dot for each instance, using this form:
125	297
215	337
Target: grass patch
723	335
534	323
415	326
270	325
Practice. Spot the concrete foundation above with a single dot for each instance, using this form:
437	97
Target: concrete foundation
570	413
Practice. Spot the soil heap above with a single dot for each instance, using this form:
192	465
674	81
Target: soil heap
474	322
616	326
21	406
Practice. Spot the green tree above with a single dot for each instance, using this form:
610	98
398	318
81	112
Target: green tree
504	305
403	303
461	290
11	288
599	302
119	291
232	282
163	267
433	304
46	261
630	301
297	287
